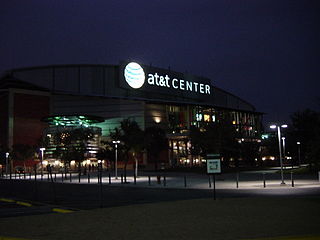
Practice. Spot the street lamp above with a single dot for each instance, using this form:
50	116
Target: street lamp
116	157
279	141
298	143
284	147
7	162
42	153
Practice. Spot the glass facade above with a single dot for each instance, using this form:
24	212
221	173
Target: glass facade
182	117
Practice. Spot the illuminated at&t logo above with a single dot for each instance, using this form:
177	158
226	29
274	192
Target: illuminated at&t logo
134	75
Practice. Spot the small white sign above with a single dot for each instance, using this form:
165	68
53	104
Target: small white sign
213	166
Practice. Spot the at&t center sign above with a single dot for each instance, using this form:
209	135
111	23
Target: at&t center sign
146	78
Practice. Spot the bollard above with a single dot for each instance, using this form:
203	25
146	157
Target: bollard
185	181
88	177
149	180
214	186
159	179
55	177
209	179
70	177
35	185
41	176
264	180
164	181
15	175
30	175
121	178
292	180
79	177
24	175
237	180
109	178
61	177
135	179
125	178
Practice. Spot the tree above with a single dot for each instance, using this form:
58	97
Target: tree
155	141
132	139
71	144
216	137
22	152
306	129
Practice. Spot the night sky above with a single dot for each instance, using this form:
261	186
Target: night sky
264	51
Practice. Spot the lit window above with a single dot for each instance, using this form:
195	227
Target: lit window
199	117
206	117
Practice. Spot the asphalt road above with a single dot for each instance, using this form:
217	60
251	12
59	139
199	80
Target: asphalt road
90	196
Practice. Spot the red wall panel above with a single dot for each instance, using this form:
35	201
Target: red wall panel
28	112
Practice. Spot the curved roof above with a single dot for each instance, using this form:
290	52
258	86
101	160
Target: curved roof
104	81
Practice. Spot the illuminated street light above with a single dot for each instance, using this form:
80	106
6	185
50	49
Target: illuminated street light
284	147
42	153
279	141
298	143
116	156
7	162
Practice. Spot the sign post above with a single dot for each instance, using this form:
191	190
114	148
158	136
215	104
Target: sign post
213	167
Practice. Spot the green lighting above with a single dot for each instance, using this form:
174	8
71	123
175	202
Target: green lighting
85	120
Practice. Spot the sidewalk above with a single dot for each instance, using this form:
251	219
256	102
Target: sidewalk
245	180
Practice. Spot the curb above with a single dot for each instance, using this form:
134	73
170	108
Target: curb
12	238
25	204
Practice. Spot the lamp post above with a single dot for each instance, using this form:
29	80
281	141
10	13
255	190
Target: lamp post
42	154
116	157
7	162
284	147
298	143
279	141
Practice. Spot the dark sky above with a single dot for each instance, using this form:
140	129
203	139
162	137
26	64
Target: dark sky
264	51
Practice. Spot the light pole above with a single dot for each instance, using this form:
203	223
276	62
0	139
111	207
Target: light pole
279	141
7	162
42	153
298	143
116	157
284	147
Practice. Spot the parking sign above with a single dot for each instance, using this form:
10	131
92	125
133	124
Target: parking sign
213	166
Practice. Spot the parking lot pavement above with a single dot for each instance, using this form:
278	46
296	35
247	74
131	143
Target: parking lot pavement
224	219
13	208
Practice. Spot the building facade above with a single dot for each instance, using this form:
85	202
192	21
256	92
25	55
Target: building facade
148	95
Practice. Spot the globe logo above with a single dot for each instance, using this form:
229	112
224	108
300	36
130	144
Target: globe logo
134	75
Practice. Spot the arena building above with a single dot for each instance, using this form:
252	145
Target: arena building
36	101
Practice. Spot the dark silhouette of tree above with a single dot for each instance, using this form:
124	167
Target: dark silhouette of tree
22	152
155	142
71	144
132	139
250	152
216	137
306	130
